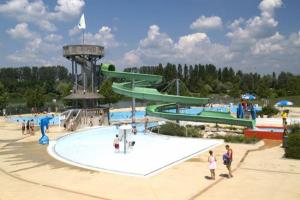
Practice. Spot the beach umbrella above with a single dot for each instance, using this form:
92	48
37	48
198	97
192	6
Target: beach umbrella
284	103
248	96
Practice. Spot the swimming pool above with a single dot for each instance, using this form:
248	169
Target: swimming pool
36	119
189	111
152	153
126	115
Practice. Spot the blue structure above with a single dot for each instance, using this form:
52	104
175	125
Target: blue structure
240	111
252	112
44	125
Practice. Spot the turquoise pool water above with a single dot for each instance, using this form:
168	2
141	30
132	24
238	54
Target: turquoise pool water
36	119
190	111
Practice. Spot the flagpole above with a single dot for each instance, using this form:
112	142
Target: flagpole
83	37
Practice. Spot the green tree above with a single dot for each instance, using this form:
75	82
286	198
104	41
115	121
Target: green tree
63	88
3	97
235	92
106	90
263	89
35	98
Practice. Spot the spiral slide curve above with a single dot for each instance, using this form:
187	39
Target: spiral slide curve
136	87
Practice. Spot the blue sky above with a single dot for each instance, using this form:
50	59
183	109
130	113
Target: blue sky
252	35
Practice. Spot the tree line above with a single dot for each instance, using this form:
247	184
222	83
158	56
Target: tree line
207	79
37	85
33	85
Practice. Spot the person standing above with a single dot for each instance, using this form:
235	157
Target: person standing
31	127
134	130
146	125
212	164
284	116
27	127
23	127
227	158
116	144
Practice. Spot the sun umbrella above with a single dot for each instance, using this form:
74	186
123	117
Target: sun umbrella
248	96
284	103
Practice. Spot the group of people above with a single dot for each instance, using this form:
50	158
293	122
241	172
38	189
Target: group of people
119	138
27	127
227	160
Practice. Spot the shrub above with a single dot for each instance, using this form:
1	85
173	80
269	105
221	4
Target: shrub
292	149
237	139
176	130
293	146
294	128
268	110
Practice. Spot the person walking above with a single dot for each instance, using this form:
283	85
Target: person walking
212	164
227	159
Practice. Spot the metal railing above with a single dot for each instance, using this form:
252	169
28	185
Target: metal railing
77	120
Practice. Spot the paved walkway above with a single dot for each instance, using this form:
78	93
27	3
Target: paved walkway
28	172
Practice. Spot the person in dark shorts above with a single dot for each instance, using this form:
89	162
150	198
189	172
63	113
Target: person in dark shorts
27	127
227	160
23	127
117	144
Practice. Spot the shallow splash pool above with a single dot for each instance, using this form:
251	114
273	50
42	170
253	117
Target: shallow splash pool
152	153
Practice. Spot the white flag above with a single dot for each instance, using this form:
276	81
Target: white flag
81	24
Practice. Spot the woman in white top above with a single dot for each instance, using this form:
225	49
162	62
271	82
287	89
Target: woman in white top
212	164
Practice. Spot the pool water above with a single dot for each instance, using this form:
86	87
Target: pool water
126	115
36	119
141	126
189	111
152	153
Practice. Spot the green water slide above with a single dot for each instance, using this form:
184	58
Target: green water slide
135	87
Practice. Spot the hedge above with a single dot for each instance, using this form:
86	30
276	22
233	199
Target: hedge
237	139
292	149
177	130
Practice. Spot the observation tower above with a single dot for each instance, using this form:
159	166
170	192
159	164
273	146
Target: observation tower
85	73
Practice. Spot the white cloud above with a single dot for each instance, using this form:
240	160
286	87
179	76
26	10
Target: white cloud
20	31
74	31
254	45
103	37
66	9
268	6
131	58
188	43
268	45
256	39
37	52
46	25
37	12
204	23
295	39
257	27
190	49
53	38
